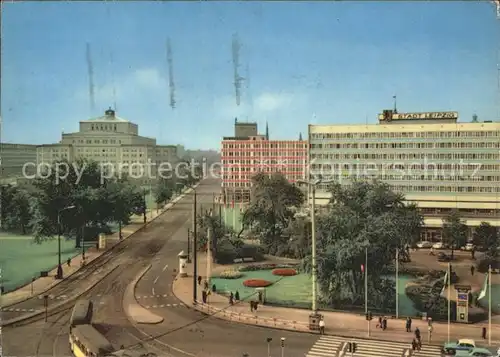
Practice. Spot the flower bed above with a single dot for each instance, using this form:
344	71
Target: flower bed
284	272
266	266
230	274
257	283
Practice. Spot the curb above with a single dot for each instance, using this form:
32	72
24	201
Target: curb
130	295
56	306
142	226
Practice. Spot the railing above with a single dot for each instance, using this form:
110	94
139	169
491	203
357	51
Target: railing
226	314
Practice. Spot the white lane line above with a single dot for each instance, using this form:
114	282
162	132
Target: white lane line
153	290
165	267
156	279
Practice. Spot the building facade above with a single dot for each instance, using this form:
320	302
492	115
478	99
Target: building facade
244	156
116	144
14	157
434	160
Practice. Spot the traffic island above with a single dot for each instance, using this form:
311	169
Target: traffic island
134	311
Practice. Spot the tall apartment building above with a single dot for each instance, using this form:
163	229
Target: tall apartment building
114	141
14	157
244	156
434	160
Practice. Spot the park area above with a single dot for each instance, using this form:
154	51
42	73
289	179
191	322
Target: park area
286	286
21	259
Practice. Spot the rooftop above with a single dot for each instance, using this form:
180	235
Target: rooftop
108	117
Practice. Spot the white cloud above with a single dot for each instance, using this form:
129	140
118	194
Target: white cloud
270	102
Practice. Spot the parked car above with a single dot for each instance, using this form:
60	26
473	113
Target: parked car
442	257
468	247
438	245
477	352
424	244
455	348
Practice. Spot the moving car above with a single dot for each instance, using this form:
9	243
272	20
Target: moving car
476	352
442	257
468	247
456	348
438	245
424	244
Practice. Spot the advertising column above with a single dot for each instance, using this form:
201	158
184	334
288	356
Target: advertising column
463	302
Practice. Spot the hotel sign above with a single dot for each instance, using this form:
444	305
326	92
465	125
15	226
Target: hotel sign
419	116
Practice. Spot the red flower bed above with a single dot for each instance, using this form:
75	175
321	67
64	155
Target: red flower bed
256	283
284	272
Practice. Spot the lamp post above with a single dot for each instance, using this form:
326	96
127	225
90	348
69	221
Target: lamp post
268	340
312	185
59	274
189	245
282	347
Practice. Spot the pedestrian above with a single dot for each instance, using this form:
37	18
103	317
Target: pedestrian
473	253
206	285
68	262
251	306
484	333
322	325
407	324
199	280
410	321
379	322
413	345
384	323
472	269
231	298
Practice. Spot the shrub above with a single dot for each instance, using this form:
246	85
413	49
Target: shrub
284	272
483	264
257	283
230	274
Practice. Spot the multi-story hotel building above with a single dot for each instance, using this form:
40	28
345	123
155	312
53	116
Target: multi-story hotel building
112	140
434	160
248	153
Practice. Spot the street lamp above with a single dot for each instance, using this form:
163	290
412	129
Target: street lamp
312	185
282	347
59	274
269	339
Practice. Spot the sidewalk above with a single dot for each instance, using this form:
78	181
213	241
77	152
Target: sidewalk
337	323
42	284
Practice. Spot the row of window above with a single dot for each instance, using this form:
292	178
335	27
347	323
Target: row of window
435	189
227	162
266	145
409	156
407	134
257	168
463	212
266	153
426	176
418	145
288	175
103	127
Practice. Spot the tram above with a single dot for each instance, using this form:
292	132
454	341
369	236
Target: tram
81	314
86	341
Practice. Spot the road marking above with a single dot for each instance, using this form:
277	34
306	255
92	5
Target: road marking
153	290
154	282
165	267
18	310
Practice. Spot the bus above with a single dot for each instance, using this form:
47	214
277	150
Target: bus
86	341
82	313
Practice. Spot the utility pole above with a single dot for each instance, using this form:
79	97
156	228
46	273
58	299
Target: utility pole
195	252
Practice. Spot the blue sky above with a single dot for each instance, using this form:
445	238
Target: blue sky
309	62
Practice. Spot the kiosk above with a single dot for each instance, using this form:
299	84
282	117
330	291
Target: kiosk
182	264
463	303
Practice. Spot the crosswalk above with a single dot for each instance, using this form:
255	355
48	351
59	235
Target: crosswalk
333	346
162	306
6	309
152	296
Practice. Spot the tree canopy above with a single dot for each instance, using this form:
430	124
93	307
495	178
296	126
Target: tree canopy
454	231
364	222
72	203
273	203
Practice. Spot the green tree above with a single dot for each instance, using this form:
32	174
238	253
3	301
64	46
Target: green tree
299	237
487	237
164	191
454	231
363	218
16	209
273	204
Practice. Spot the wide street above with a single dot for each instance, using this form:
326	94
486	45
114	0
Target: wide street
183	329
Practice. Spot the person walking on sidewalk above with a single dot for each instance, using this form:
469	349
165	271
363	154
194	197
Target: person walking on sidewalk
379	322
322	325
472	270
384	323
408	324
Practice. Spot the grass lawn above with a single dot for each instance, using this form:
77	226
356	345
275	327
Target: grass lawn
296	290
21	259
